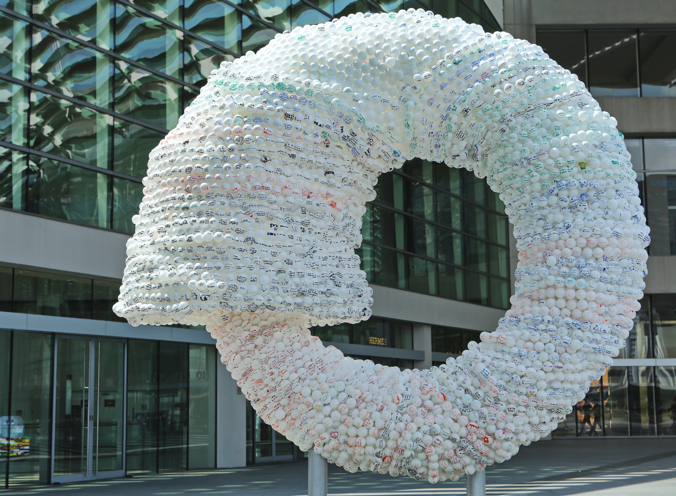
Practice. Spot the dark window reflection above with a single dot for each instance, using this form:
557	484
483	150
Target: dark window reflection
663	310
127	196
638	342
132	147
566	48
661	196
451	340
200	59
612	63
665	400
6	277
641	402
214	21
373	332
658	64
255	35
52	294
276	12
104	296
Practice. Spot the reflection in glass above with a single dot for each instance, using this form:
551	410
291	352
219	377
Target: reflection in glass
199	59
72	400
616	418
13	113
70	68
422	275
173	407
657	62
661	207
5	413
105	295
275	12
567	48
147	41
142	402
451	282
345	7
14	40
499	293
166	9
665	400
635	148
612	63
32	370
13	165
64	129
127	196
451	340
6	283
86	19
68	192
202	415
663	310
52	294
108	411
302	14
476	288
660	154
146	97
214	21
132	147
640	398
638	342
254	34
341	333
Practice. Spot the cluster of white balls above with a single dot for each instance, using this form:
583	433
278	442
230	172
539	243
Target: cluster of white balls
253	207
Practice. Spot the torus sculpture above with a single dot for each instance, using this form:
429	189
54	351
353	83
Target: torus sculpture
253	207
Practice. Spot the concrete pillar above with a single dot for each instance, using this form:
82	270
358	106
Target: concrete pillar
476	484
230	421
317	475
422	341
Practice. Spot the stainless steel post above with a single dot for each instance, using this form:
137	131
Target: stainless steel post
317	475
476	484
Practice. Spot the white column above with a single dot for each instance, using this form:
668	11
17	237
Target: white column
230	421
422	341
317	475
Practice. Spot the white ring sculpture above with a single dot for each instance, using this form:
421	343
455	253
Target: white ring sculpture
253	207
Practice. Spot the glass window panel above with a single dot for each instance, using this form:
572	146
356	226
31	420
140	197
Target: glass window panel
497	228
663	310
173	406
615	410
68	192
449	211
146	97
89	20
143	421
200	59
390	191
133	145
476	254
658	65
450	247
31	406
498	261
448	179
6	431
367	222
476	288
325	5
127	197
166	9
638	342
215	21
302	14
451	282
665	400
202	407
420	200
612	63
568	428
341	333
52	294
275	12
368	264
499	293
13	113
6	276
390	268
13	177
69	130
451	340
473	188
590	412
255	35
147	41
468	15
566	48
71	68
474	220
422	275
635	148
423	238
661	207
14	44
641	405
420	169
187	97
660	154
105	295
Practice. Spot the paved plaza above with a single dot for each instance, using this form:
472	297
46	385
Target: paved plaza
589	467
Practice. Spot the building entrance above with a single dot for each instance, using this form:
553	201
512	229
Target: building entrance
89	405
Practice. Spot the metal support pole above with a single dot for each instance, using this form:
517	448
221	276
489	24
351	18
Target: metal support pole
476	484
317	475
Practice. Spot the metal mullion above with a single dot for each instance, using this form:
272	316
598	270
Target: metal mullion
82	103
88	44
437	224
69	161
638	63
437	261
307	2
170	24
253	16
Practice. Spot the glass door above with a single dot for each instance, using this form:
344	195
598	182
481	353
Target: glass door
268	444
88	409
